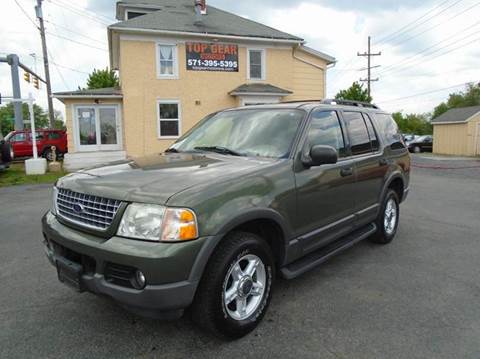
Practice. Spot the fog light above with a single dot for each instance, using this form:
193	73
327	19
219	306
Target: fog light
140	280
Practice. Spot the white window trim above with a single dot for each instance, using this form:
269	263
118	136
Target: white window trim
98	147
175	60
179	119
264	63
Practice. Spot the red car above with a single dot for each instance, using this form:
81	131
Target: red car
21	143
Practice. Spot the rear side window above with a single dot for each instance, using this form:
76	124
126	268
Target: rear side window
389	128
54	135
371	133
358	133
325	130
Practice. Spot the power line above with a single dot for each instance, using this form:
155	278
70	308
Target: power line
424	93
26	14
432	58
76	41
79	12
405	29
58	70
75	32
408	59
93	14
437	25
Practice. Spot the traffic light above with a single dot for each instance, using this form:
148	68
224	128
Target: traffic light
26	76
36	83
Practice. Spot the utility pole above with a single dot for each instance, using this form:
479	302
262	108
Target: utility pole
14	62
38	10
369	55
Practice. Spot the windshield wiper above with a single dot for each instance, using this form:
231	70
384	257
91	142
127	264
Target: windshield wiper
219	149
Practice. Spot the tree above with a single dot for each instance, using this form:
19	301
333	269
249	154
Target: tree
469	97
7	117
417	124
102	78
356	92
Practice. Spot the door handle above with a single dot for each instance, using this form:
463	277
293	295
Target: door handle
344	172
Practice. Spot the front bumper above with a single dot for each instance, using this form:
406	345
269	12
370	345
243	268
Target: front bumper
172	270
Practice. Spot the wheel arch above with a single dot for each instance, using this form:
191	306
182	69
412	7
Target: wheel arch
265	223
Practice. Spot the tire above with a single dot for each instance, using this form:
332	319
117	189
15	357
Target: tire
210	310
6	152
417	149
386	229
48	154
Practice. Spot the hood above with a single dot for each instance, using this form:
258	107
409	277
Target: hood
155	178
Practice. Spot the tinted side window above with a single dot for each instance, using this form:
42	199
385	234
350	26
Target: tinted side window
54	136
325	130
371	133
19	137
389	128
358	133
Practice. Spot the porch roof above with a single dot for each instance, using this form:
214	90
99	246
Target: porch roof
108	92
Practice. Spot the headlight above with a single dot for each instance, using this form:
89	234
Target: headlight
54	201
158	223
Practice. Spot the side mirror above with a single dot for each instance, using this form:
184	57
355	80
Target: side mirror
322	155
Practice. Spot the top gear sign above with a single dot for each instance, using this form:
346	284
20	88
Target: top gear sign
212	57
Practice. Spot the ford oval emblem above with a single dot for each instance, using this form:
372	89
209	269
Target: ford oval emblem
78	208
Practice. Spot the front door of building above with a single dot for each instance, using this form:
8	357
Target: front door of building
97	128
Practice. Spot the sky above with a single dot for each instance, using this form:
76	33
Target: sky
428	48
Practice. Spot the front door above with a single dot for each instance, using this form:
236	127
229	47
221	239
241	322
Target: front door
98	128
325	194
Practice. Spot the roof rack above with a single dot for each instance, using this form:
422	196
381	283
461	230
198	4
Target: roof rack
349	103
337	102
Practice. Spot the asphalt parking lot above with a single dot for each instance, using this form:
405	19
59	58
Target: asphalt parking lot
415	298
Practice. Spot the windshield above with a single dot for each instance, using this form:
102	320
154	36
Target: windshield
9	136
255	132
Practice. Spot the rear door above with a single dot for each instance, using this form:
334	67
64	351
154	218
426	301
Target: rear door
370	164
325	194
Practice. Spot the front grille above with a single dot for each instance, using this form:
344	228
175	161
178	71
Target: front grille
87	210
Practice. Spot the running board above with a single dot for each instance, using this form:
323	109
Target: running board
320	256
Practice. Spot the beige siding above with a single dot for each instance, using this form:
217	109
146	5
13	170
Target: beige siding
308	77
457	139
199	93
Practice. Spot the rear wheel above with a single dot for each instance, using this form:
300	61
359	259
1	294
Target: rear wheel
387	220
235	290
417	149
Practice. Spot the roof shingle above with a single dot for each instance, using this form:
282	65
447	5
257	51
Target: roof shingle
460	114
180	16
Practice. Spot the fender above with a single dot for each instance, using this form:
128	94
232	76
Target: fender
213	241
393	176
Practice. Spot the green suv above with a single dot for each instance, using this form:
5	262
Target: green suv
245	196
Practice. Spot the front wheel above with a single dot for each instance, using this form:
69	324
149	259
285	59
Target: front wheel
387	220
417	149
235	289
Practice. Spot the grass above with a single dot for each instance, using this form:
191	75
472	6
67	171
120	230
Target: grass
15	175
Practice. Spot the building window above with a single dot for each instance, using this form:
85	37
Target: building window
256	64
167	61
134	14
168	119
